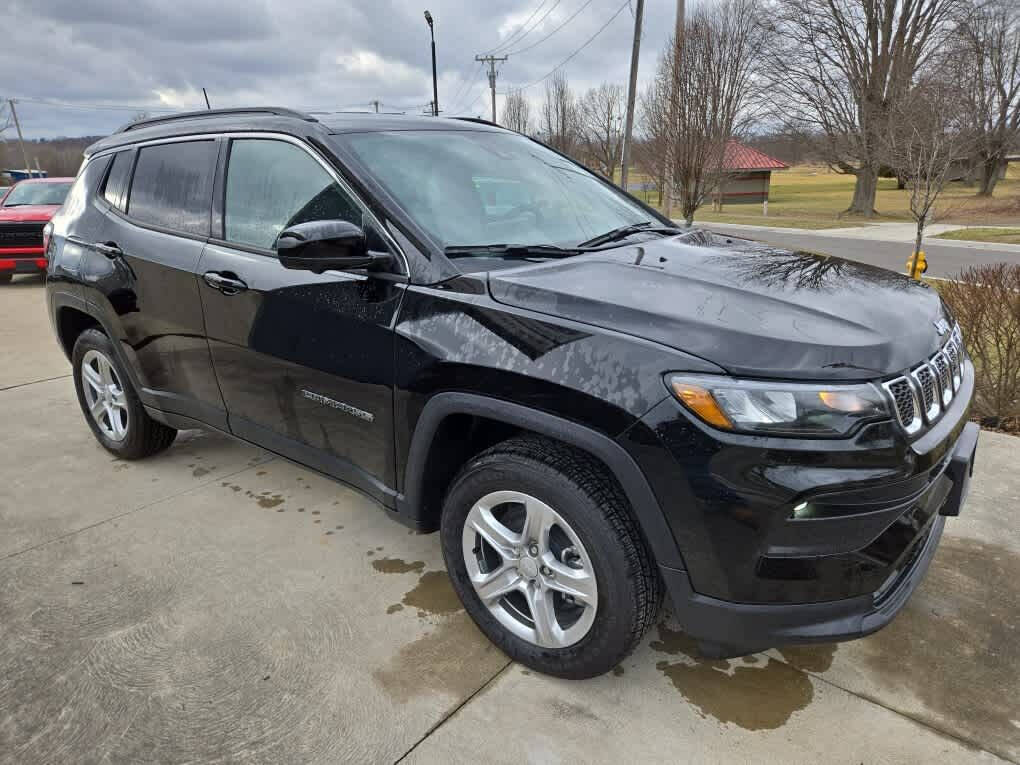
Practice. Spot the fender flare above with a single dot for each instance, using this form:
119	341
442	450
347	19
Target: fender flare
627	473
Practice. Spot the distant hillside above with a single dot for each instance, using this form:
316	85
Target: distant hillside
57	156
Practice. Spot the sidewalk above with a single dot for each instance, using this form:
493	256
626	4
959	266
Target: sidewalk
900	233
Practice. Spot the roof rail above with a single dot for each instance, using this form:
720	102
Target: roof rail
479	121
275	110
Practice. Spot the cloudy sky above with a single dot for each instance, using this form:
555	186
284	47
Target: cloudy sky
84	67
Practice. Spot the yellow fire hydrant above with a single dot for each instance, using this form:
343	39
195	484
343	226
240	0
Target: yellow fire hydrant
917	265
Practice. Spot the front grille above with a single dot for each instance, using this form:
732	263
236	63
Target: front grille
923	394
21	234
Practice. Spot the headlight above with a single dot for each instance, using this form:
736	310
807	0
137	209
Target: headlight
778	408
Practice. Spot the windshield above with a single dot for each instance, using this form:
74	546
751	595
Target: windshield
37	194
482	188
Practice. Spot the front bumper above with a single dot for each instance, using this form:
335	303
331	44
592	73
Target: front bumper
724	628
29	261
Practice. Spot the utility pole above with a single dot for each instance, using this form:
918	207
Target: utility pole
206	95
491	61
678	40
21	138
628	129
375	104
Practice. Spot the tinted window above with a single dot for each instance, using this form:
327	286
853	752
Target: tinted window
172	185
272	185
115	191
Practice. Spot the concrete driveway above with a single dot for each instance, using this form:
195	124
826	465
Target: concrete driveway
220	604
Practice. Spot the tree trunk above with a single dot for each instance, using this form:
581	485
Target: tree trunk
989	177
865	187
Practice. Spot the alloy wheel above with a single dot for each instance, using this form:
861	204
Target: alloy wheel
104	395
530	569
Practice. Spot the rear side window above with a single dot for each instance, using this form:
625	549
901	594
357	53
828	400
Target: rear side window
115	191
272	185
172	186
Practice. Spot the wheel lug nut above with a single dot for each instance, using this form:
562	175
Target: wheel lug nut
546	571
533	551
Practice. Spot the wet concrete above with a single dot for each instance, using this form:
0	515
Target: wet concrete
750	694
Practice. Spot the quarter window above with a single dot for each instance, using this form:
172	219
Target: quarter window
115	191
272	185
172	186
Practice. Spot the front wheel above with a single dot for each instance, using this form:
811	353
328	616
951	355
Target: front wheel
547	559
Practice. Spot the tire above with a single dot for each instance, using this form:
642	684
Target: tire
6	278
131	434
542	473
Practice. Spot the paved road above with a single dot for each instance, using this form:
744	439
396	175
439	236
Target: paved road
219	604
944	260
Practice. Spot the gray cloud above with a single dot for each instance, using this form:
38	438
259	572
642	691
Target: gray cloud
309	54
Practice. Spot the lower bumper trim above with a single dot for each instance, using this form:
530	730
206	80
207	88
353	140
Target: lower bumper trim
726	628
22	265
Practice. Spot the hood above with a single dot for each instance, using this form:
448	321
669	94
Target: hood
24	213
753	310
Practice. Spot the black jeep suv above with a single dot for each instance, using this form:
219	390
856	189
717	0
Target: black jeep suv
592	405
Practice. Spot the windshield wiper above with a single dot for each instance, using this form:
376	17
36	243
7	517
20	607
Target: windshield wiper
512	250
624	231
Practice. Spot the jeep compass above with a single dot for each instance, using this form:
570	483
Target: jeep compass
594	407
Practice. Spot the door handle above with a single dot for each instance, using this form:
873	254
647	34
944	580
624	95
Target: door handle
109	249
228	285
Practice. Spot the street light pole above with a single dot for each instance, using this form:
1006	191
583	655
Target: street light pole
435	84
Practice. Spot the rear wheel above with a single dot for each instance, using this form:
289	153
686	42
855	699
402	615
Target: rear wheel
6	278
543	552
110	405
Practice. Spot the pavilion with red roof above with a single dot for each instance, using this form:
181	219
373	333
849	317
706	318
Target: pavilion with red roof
751	174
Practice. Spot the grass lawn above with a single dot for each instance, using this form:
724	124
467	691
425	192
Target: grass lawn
809	196
1000	235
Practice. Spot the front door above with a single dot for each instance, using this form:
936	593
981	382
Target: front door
304	361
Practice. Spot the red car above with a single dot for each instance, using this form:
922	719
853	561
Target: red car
25	210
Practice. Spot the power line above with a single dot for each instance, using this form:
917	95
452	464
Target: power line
536	44
537	23
513	35
93	107
465	88
586	43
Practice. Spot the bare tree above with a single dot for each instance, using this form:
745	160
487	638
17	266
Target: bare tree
601	112
840	66
517	112
988	59
706	88
924	141
559	114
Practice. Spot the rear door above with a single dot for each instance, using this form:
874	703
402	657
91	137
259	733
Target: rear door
141	265
304	361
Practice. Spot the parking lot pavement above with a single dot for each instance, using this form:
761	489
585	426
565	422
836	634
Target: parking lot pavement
26	343
218	603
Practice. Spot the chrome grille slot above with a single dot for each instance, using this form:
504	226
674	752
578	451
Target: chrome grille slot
941	366
953	354
928	388
906	403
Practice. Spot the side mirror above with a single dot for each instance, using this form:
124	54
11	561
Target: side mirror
323	245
